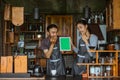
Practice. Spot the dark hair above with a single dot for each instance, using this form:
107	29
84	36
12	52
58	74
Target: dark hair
51	26
82	21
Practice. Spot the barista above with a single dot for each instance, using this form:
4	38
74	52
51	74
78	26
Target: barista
50	47
85	41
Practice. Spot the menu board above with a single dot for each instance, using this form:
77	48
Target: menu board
65	44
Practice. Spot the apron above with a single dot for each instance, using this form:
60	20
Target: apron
56	62
82	57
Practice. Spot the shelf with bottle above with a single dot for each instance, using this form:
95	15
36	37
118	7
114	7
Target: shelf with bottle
97	17
101	71
29	18
33	31
9	33
32	27
95	64
32	36
105	64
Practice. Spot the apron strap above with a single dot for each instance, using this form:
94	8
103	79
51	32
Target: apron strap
81	56
56	60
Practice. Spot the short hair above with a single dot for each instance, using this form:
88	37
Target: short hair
82	21
51	26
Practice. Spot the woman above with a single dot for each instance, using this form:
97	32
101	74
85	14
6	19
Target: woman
85	41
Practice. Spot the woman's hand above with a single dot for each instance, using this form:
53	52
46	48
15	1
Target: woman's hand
85	39
73	46
85	36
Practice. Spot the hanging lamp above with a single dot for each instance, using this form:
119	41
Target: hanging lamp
86	10
36	13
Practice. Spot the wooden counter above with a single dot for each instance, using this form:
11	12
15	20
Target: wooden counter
59	78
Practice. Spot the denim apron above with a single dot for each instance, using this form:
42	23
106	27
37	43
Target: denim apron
82	57
56	62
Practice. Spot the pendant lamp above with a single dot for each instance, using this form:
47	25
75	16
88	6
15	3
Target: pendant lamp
36	13
86	10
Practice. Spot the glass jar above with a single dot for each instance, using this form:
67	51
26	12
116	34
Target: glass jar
101	70
109	70
97	70
110	59
102	60
92	70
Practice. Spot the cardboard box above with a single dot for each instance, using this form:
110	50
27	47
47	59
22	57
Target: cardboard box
20	64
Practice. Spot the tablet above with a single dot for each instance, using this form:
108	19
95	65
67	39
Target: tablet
65	44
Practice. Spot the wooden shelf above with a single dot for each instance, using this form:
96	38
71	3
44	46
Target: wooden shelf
22	32
114	65
38	22
8	30
31	32
31	39
96	64
102	76
104	50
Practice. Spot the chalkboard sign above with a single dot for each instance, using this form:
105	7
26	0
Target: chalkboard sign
65	44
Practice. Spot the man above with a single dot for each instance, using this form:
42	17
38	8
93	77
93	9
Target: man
50	47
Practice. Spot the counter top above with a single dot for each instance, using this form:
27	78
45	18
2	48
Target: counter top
60	78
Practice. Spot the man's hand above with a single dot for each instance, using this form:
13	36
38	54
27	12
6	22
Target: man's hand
53	40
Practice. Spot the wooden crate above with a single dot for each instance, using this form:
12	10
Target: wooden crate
6	64
20	64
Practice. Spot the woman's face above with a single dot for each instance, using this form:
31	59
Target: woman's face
82	28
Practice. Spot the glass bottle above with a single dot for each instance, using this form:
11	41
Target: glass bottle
40	28
109	70
92	70
11	28
30	27
96	18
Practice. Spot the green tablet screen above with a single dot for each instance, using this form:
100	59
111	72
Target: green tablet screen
65	44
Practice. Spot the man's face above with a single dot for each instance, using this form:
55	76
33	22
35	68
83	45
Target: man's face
53	32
